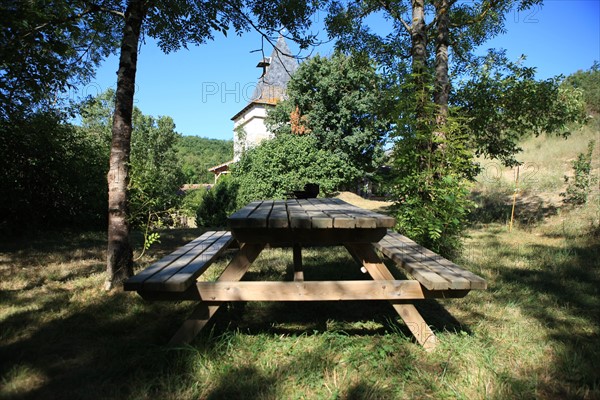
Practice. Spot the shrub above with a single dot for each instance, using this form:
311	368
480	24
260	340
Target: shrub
579	186
51	174
218	203
287	163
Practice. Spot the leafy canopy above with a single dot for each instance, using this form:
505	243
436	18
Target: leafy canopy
156	173
341	102
286	163
48	47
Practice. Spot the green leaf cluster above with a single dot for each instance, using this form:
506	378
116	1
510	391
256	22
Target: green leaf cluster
589	83
218	203
343	104
48	47
581	182
52	175
503	102
286	163
431	180
156	173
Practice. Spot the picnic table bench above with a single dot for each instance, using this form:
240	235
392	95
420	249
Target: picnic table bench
297	224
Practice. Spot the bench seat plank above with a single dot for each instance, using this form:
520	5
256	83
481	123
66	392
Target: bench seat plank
450	268
190	261
430	269
135	282
188	274
414	251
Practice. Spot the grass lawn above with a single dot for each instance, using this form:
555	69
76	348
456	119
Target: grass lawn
533	334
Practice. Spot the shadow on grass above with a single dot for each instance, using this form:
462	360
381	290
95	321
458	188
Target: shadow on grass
114	345
559	287
497	207
364	318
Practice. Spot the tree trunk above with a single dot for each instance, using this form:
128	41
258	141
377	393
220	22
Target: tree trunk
442	81
119	264
419	56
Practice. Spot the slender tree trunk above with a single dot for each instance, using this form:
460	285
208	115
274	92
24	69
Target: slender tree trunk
418	35
442	81
119	264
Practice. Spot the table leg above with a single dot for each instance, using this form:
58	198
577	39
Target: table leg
298	269
409	314
204	311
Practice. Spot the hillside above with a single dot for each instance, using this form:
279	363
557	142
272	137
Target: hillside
197	154
546	160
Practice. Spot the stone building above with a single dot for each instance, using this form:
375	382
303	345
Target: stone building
249	127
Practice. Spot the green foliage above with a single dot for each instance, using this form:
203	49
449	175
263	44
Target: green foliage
503	103
286	163
197	154
51	174
192	200
218	203
48	47
589	83
156	173
432	174
580	184
343	104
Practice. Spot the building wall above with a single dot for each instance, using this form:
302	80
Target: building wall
249	129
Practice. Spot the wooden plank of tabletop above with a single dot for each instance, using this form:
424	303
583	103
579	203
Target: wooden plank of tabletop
259	218
239	218
365	217
279	215
332	210
299	219
318	218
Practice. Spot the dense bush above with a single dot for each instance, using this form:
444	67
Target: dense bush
589	83
218	203
432	198
286	163
580	184
52	175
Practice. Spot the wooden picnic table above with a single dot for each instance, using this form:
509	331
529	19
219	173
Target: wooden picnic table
299	223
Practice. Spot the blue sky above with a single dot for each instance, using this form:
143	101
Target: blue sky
203	87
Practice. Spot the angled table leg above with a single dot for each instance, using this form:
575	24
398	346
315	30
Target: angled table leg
204	310
408	312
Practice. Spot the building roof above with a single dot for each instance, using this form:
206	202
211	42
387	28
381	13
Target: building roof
221	167
280	68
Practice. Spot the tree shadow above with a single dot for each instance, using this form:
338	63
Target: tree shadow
497	207
250	383
560	290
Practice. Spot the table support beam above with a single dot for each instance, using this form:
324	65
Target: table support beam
408	312
298	269
205	311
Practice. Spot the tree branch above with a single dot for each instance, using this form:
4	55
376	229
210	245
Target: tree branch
490	6
395	15
57	21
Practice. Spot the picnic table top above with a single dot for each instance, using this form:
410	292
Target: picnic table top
325	213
